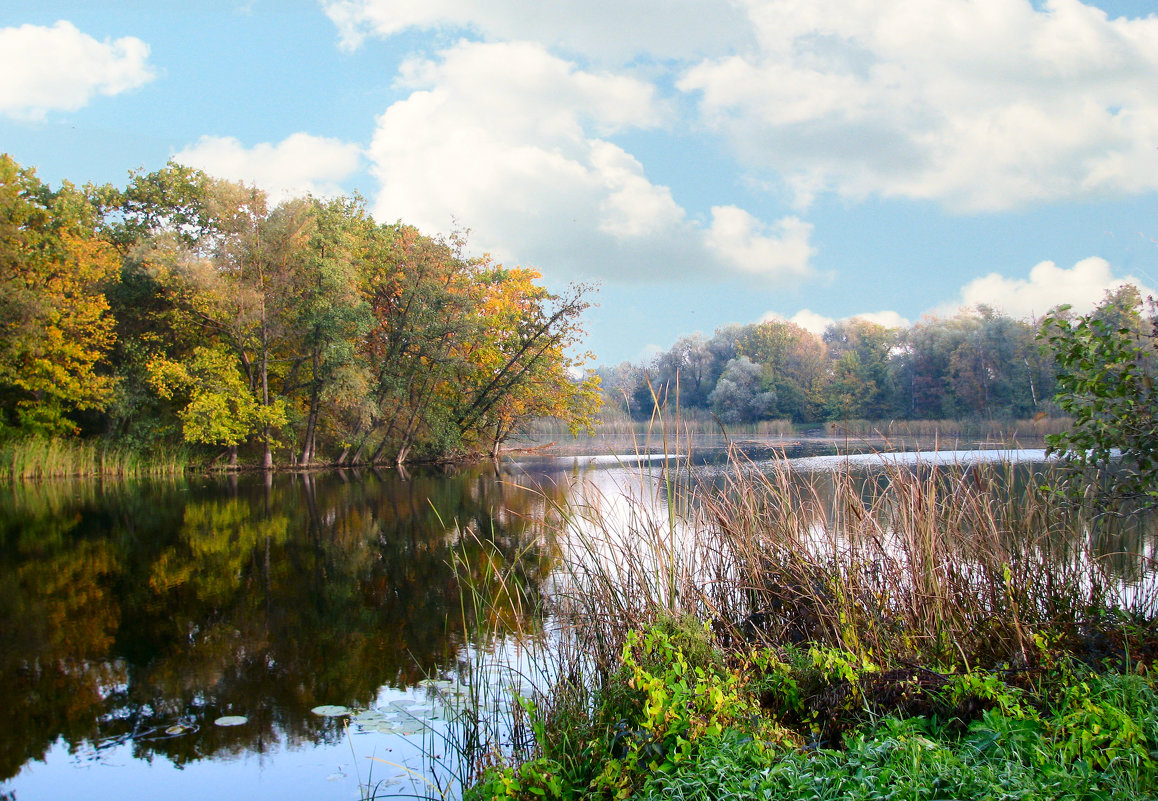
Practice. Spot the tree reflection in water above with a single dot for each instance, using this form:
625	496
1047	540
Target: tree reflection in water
128	609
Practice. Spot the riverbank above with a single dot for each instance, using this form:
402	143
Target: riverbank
34	458
682	718
943	632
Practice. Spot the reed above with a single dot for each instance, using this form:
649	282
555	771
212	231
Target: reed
617	432
956	567
1003	432
39	458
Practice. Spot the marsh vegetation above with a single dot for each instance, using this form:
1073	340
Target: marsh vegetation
922	628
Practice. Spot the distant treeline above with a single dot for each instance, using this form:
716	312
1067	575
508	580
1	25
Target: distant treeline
186	311
979	364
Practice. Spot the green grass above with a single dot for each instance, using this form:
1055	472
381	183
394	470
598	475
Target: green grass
38	458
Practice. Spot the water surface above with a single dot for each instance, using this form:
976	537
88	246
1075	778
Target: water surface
133	616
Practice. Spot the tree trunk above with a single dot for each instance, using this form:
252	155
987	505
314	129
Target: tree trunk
312	418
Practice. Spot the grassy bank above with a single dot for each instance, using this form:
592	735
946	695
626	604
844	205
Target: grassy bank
618	432
1007	432
927	633
37	458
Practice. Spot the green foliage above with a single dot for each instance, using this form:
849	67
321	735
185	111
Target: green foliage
185	303
1109	721
692	728
1107	367
54	323
537	778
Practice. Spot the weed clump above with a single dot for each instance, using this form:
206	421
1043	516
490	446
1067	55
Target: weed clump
824	723
921	632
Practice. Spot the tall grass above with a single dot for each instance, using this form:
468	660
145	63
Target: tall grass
957	566
954	568
973	430
37	458
619	433
616	431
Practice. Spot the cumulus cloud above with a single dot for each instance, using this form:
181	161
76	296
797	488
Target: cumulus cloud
512	142
887	318
600	29
742	240
1082	286
985	105
58	68
298	165
805	318
817	323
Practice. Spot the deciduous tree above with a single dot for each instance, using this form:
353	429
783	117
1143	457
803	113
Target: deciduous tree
1107	370
55	326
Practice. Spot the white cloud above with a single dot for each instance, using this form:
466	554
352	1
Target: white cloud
981	105
805	318
887	318
782	249
297	165
1082	286
509	141
600	29
817	323
55	68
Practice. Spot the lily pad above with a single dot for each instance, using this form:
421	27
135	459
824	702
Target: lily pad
231	720
371	716
330	710
177	729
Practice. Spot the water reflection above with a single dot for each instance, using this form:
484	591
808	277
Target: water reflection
128	610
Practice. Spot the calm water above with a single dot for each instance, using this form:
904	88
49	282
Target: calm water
135	615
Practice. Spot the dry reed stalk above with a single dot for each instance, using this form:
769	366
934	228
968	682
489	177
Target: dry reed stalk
957	565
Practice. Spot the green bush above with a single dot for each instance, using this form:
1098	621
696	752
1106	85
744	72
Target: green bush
680	720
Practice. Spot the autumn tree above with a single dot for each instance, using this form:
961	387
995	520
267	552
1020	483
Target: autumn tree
55	328
793	362
416	290
520	367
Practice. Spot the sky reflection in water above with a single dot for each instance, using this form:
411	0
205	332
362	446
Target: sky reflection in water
126	609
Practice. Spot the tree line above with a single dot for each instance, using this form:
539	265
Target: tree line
977	364
185	309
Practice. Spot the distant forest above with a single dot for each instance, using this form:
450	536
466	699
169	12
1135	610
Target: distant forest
186	311
979	364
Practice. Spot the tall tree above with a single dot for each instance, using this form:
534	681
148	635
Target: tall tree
55	326
417	291
519	358
859	386
329	315
793	361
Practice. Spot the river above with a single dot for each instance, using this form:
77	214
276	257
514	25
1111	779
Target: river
320	614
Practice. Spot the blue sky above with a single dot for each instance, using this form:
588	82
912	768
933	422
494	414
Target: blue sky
703	161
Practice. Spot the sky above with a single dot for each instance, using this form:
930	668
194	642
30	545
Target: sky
697	162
